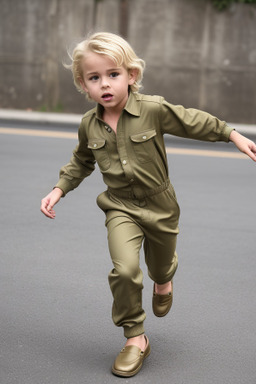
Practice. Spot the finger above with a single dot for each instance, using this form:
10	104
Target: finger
49	207
50	214
50	211
253	148
251	154
47	210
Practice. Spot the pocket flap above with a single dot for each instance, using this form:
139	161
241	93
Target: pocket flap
96	143
143	136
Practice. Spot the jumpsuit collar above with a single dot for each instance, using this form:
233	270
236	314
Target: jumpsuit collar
132	107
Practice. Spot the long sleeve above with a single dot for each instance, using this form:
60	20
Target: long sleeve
80	166
192	123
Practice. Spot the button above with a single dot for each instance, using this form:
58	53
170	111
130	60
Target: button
144	137
124	162
132	180
95	145
109	129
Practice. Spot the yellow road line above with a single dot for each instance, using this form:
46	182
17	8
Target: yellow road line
71	135
207	153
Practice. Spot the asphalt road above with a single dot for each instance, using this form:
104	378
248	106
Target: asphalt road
55	307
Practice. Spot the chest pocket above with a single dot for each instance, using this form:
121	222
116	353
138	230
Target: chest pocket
98	147
144	146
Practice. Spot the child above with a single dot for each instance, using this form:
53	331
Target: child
124	135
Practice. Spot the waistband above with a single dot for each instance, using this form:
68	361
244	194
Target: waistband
139	193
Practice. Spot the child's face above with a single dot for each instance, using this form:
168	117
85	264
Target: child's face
106	83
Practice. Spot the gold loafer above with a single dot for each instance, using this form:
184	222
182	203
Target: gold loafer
161	304
129	361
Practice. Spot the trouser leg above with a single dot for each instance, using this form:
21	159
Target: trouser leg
161	257
161	232
125	238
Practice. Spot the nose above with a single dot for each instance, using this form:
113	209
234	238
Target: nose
104	82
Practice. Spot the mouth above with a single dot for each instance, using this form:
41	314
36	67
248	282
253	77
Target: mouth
107	96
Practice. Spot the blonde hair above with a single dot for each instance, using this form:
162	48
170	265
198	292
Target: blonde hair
111	45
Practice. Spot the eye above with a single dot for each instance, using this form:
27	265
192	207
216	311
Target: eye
114	74
94	78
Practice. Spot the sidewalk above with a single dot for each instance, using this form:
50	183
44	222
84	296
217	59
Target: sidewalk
21	116
72	121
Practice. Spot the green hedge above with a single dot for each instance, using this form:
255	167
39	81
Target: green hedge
223	4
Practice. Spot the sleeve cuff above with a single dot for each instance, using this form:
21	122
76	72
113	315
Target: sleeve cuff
64	186
226	133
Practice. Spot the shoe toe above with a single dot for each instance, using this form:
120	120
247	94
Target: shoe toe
129	361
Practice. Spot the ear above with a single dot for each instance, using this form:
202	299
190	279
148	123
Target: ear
133	73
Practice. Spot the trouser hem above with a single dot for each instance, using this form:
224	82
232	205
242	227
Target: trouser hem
134	331
168	278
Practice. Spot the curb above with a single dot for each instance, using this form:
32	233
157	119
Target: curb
42	118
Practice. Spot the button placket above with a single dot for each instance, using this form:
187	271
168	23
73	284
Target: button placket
122	150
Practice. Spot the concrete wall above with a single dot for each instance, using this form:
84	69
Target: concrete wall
195	55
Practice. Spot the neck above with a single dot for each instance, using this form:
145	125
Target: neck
112	114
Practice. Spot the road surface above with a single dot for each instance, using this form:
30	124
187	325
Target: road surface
55	307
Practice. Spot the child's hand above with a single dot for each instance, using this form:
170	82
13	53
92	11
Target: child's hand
243	144
49	201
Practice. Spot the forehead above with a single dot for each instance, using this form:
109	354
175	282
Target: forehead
95	61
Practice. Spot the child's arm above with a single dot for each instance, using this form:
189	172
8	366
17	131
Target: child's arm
243	144
49	201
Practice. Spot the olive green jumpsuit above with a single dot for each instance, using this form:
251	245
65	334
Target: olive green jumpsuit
140	203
